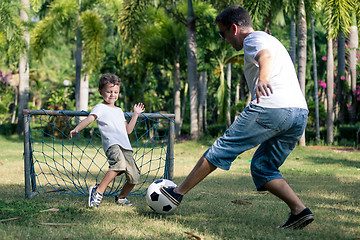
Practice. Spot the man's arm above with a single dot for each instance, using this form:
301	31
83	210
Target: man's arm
263	86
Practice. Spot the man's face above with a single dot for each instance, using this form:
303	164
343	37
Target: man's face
231	35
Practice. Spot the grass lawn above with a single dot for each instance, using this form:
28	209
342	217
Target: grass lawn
326	179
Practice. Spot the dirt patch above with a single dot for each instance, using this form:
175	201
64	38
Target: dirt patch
337	149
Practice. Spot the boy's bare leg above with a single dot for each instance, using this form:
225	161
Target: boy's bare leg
281	189
109	176
126	189
199	172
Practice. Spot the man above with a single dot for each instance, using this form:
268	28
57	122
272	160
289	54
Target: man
275	118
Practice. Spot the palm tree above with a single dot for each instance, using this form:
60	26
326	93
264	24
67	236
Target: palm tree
330	92
317	137
302	43
63	17
13	42
353	46
192	70
337	22
162	43
24	69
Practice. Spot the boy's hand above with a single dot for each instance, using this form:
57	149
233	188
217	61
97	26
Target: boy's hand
139	108
73	133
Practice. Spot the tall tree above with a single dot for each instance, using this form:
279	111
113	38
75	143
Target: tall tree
313	47
192	70
337	22
353	46
330	92
302	50
163	43
24	68
12	44
228	83
62	18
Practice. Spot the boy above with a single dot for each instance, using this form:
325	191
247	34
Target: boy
114	134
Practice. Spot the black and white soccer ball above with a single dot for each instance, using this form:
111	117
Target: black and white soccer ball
156	200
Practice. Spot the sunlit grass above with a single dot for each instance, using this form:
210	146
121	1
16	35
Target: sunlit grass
326	179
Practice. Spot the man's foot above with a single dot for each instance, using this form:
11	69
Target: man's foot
298	221
122	201
94	197
174	197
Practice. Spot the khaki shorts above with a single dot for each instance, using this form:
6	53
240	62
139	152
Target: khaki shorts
122	160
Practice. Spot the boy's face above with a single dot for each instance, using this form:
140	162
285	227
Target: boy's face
110	93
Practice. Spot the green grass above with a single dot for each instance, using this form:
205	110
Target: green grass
326	179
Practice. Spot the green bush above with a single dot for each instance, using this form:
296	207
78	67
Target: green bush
347	132
216	130
7	129
343	134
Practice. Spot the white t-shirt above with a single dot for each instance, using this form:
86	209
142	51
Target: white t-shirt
284	81
111	123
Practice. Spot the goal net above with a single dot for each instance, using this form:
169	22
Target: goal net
54	164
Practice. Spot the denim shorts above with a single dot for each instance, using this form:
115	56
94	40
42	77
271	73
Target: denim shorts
276	130
122	161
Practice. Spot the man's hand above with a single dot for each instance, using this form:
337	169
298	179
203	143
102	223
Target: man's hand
263	88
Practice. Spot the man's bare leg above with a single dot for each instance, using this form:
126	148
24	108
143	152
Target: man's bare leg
199	172
281	189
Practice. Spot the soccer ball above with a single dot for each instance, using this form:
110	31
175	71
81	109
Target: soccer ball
156	200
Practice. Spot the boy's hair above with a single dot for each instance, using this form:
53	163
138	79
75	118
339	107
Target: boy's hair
234	15
108	78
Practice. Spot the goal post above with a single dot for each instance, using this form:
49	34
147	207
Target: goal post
55	164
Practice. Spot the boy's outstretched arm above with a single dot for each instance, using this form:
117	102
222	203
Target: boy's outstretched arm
83	124
138	108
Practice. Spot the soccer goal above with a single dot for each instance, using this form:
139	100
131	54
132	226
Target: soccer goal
54	164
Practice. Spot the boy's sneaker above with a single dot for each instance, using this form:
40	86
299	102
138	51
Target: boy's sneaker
94	197
298	221
174	197
122	201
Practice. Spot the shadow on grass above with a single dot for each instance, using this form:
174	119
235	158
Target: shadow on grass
345	161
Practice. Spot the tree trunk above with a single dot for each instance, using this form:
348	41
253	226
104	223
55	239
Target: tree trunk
16	100
330	92
317	138
192	71
183	106
84	92
302	31
341	77
23	69
78	63
228	95
237	99
353	45
293	40
202	102
177	99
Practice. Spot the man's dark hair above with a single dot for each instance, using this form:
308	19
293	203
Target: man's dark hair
108	78
234	15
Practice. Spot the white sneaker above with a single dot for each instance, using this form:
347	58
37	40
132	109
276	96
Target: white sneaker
94	197
123	201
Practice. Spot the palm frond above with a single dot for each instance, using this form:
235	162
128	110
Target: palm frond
93	32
